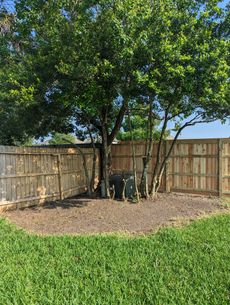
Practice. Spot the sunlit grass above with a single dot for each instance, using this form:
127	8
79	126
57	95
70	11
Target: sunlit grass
175	266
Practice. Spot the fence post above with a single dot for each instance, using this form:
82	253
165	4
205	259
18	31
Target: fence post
167	186
220	182
60	176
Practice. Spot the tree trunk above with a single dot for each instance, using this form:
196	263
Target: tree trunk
123	198
156	180
105	161
158	166
149	149
134	160
92	182
144	185
161	164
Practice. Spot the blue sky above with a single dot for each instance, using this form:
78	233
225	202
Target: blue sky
210	130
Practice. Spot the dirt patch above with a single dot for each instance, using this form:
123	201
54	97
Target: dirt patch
89	216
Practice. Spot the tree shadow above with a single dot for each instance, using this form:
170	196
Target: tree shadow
73	202
67	203
79	201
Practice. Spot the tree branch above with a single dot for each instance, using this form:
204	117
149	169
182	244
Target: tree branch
192	122
118	122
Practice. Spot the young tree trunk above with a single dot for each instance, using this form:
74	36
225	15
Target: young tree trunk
92	182
144	185
134	160
105	161
123	198
161	164
156	181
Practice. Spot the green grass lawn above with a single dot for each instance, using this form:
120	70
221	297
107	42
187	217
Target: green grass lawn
175	266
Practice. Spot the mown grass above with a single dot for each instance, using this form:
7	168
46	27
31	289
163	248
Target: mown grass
175	266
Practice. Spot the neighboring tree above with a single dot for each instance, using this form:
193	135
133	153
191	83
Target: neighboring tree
143	125
140	128
60	138
87	132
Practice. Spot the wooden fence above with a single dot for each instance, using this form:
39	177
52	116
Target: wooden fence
196	166
34	175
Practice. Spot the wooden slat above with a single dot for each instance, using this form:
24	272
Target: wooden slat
220	148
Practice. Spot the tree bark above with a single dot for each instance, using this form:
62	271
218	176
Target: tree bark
105	160
134	160
144	185
118	122
92	182
157	169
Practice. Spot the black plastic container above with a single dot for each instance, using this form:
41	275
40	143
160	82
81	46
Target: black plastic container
117	181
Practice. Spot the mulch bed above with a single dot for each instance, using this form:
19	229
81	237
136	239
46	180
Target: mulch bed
90	216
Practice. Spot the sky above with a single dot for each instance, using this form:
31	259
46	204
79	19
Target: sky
208	130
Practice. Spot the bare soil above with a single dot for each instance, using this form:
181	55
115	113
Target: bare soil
90	216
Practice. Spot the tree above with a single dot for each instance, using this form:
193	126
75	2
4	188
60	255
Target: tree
188	80
60	138
81	55
23	113
10	110
140	128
